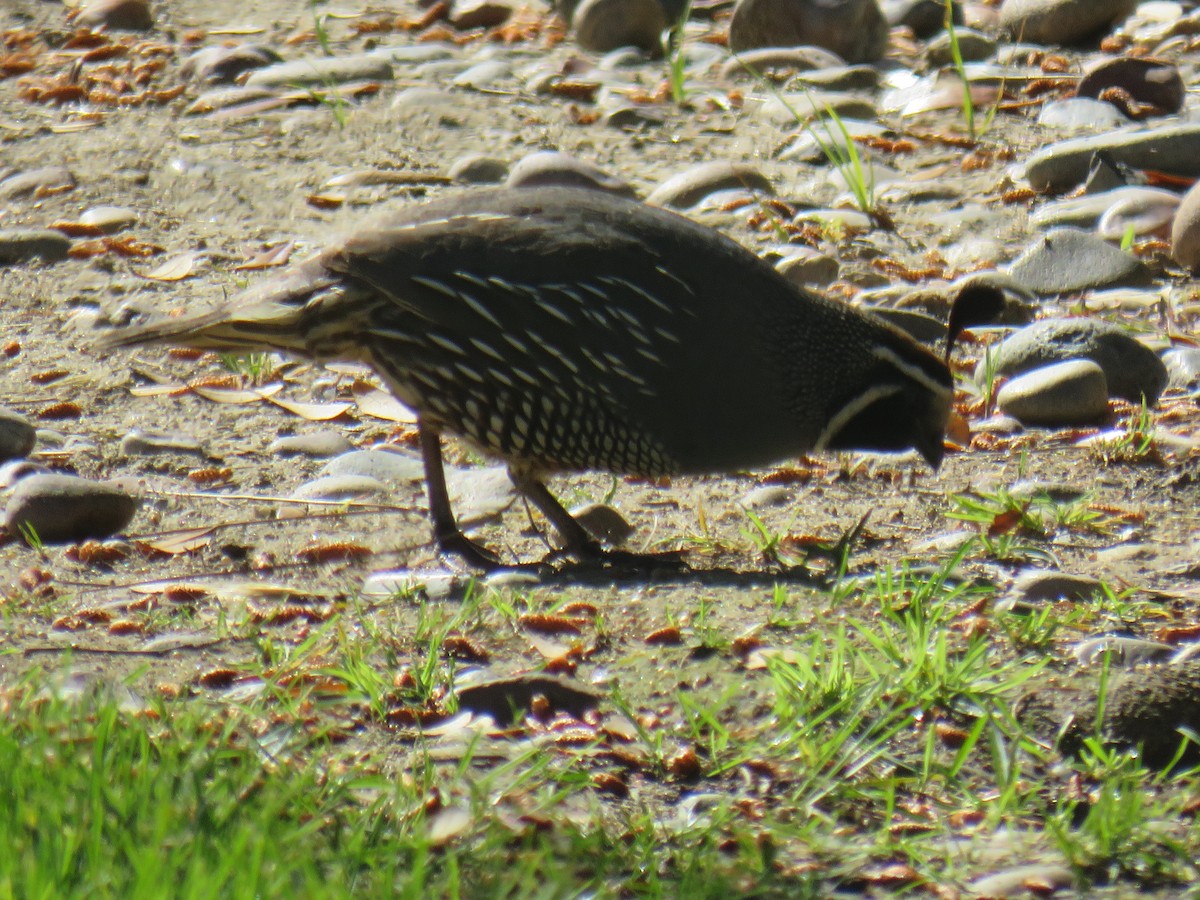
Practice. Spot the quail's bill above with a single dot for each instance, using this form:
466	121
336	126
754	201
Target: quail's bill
564	329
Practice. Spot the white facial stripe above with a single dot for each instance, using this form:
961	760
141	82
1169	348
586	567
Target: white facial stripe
913	371
852	409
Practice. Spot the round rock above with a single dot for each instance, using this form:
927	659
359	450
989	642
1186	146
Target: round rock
547	167
17	435
690	186
854	29
18	245
604	25
127	15
1148	82
1065	260
1061	21
1185	230
63	509
1058	395
1131	369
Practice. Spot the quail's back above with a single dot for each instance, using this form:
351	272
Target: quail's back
566	329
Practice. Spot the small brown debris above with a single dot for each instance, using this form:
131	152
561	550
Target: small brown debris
58	411
665	637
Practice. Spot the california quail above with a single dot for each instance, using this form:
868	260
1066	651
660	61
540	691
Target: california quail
568	329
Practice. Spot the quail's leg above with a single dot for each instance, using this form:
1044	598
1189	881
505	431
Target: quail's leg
574	537
446	533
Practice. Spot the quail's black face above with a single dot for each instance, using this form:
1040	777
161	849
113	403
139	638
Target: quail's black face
906	406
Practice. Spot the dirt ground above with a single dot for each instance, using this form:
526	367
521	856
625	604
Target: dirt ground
223	190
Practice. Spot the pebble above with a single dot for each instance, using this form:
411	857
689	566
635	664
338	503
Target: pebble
925	17
1065	260
436	585
1061	21
50	179
552	167
766	496
383	464
316	443
687	188
792	109
1059	395
918	325
1130	368
1041	586
479	493
973	46
1048	878
322	70
477	168
223	65
1081	114
1183	368
604	523
1141	215
154	443
1087	210
468	14
807	267
1121	650
1154	83
65	509
604	25
483	75
1174	149
109	219
17	435
18	245
123	15
334	488
854	29
769	61
1185	231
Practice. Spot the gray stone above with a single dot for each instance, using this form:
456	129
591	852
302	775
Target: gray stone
973	46
18	245
17	435
1174	149
317	443
478	168
62	509
604	523
604	25
33	181
854	29
1058	395
1081	114
223	65
546	167
1061	21
1065	260
768	61
125	15
322	70
1122	651
383	464
1132	369
1185	231
925	17
1015	882
1183	368
1041	586
109	219
154	443
1153	83
689	187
